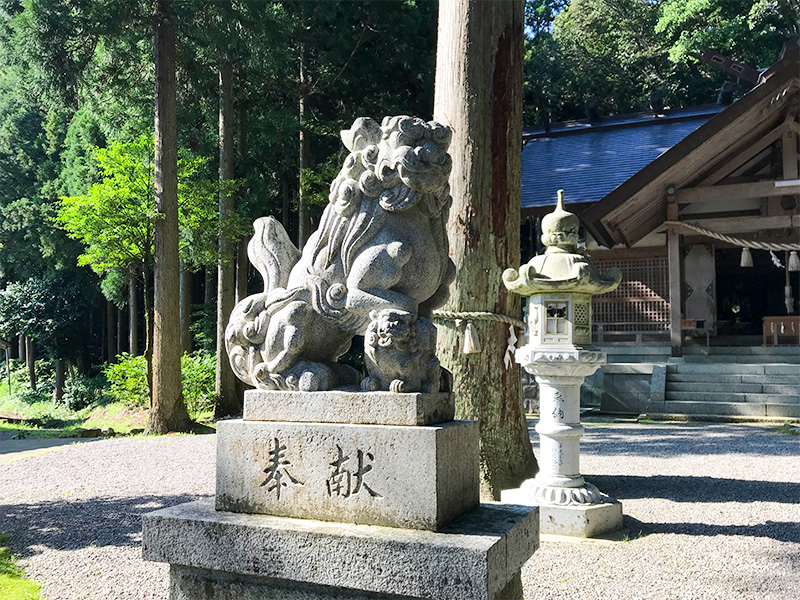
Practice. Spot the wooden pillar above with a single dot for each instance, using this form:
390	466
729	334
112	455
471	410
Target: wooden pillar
675	284
789	147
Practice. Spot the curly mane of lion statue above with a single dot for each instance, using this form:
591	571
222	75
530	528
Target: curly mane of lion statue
377	266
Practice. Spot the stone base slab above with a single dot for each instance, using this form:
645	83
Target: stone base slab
221	555
578	520
349	406
397	476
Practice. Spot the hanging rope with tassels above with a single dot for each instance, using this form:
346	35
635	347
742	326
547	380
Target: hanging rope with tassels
472	344
793	263
733	240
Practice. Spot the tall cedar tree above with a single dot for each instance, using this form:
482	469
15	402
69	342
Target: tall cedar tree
167	412
479	94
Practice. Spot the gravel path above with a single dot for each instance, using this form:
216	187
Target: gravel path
718	508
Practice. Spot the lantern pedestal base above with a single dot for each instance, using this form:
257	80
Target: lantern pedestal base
576	520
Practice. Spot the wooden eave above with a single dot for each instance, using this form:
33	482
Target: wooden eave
639	205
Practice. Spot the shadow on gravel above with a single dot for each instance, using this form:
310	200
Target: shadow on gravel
69	525
683	488
687	439
781	531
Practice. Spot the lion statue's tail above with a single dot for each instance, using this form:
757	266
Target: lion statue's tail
273	254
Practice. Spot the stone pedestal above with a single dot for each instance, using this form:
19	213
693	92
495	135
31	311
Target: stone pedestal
312	509
568	504
576	520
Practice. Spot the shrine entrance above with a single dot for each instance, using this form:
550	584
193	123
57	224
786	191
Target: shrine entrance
745	295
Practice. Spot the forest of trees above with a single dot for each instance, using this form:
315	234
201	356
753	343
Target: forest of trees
98	98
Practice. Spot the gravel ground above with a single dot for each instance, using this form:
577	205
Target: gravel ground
713	512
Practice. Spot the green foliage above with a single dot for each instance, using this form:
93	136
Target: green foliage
19	373
115	219
750	30
13	585
127	380
52	311
197	377
82	391
621	50
204	327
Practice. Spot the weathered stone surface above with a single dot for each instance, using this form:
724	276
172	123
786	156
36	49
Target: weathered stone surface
187	583
576	520
399	476
559	285
473	558
378	260
349	406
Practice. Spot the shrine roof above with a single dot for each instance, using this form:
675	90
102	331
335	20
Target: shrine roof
589	160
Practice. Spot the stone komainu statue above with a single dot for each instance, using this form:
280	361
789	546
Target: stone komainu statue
377	266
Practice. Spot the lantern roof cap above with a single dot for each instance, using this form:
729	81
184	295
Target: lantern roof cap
562	268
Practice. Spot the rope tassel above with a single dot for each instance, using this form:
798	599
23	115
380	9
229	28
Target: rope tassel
472	344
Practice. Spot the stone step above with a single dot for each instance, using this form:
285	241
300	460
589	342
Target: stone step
725	398
744	387
770	409
743	358
735	368
779	388
732	378
742	350
697	386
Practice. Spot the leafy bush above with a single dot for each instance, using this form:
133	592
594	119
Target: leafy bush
197	376
83	391
204	327
45	371
128	380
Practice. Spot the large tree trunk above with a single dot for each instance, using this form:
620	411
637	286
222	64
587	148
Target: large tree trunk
120	332
479	94
209	286
147	294
225	383
285	204
111	332
303	215
186	308
58	390
133	314
242	262
22	348
30	361
168	412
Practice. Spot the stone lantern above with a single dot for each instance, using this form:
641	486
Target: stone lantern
559	286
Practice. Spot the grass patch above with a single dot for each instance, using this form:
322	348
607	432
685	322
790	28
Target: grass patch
789	429
98	402
13	585
117	416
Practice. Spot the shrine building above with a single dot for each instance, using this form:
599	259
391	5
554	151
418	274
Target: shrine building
700	209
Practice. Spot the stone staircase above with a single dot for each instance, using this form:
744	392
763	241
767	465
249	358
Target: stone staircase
763	389
724	382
